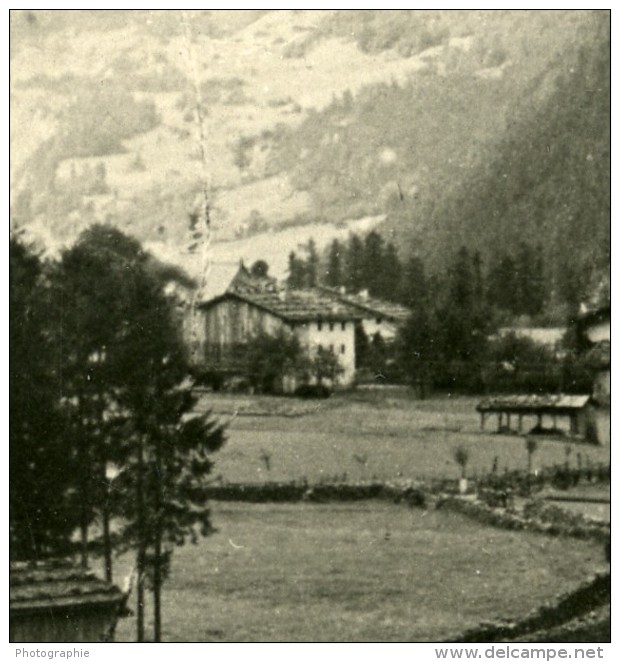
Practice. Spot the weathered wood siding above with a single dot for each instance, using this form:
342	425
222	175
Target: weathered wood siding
232	322
86	623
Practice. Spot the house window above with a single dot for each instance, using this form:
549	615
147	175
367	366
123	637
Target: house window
379	320
331	348
319	326
331	326
344	326
343	349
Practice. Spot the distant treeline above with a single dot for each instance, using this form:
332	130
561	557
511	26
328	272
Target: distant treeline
510	286
451	339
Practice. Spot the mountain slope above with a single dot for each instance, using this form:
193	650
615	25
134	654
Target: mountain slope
312	117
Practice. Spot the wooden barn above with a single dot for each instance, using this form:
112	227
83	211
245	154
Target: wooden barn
232	319
58	602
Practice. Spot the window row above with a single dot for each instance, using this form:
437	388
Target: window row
343	348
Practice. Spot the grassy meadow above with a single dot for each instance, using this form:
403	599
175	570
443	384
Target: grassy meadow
387	435
367	571
363	571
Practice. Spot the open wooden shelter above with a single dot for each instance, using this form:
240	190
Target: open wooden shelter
552	408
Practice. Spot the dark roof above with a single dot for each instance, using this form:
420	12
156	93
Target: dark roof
533	403
595	315
375	307
45	585
293	305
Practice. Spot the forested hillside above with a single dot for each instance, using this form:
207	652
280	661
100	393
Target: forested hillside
453	127
547	183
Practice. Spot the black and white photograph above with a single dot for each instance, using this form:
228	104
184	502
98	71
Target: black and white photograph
310	328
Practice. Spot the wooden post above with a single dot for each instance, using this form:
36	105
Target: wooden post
508	420
573	423
482	417
520	424
499	421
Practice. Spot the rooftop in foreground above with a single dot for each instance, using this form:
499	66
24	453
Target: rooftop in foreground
43	585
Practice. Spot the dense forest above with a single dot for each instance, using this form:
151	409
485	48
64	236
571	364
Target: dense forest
451	339
548	184
505	161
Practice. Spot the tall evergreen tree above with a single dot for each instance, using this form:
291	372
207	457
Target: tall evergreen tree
413	290
333	272
354	265
312	264
42	510
390	275
501	284
123	361
373	262
296	272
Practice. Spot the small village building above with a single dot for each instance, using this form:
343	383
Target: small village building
567	415
595	325
551	338
223	276
58	602
378	316
232	319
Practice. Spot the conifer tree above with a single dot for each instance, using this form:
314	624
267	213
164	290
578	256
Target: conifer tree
333	272
42	510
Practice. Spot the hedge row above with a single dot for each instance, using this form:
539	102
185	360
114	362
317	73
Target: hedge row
294	492
558	476
565	612
506	519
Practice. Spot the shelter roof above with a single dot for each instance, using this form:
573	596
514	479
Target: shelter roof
533	403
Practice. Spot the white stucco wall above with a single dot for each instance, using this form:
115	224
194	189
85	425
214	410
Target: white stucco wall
337	336
599	332
374	325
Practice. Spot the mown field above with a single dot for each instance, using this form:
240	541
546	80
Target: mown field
368	571
365	435
364	571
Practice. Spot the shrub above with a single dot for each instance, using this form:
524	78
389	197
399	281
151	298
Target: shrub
313	391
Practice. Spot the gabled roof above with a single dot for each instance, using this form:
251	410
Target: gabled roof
372	307
293	305
221	277
44	586
534	403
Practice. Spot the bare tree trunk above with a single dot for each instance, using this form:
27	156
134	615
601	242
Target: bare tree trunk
157	581
107	546
141	542
157	575
83	539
